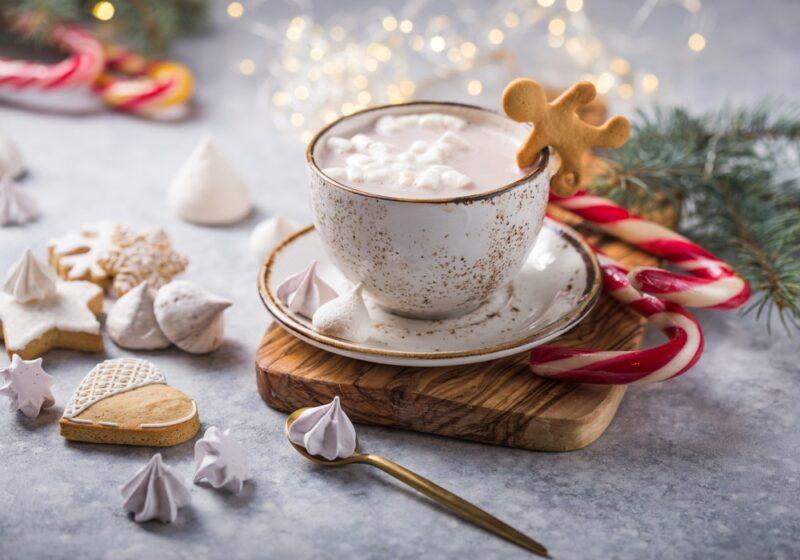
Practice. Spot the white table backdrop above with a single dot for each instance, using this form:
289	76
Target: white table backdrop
703	466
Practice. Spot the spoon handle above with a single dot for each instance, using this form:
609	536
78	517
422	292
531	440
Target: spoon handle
460	506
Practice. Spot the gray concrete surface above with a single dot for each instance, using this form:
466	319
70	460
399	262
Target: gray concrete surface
705	466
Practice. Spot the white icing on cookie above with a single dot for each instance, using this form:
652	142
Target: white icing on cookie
190	317
131	322
155	492
11	163
27	386
79	253
208	190
109	378
142	257
304	292
29	279
16	207
220	460
66	310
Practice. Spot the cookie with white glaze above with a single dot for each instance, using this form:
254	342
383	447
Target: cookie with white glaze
76	255
127	401
39	312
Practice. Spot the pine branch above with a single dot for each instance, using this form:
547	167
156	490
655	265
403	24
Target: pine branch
735	175
148	25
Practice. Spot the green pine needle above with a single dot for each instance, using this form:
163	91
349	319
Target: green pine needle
148	25
734	177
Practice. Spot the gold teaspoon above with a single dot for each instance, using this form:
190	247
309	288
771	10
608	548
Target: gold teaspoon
463	508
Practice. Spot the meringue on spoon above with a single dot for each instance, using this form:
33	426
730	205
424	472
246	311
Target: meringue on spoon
327	431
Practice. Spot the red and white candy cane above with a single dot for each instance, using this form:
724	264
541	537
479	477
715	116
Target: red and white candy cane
81	68
124	80
134	84
613	367
713	282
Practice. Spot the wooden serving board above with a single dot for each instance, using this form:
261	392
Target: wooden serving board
498	402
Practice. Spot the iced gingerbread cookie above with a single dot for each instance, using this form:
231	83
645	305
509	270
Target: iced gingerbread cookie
127	401
77	254
38	312
142	257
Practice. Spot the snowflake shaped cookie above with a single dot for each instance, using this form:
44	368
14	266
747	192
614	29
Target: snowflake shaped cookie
77	255
142	257
27	386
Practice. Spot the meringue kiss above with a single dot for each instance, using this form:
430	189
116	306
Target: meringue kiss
11	164
220	461
304	292
16	207
27	386
29	279
325	431
267	234
190	316
155	492
345	317
132	324
208	190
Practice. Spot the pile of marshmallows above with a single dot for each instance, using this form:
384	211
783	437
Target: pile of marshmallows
420	166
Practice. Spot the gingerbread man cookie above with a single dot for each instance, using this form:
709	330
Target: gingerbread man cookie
557	124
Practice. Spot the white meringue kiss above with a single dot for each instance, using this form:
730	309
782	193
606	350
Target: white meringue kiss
325	431
304	292
208	190
190	317
16	207
220	461
267	234
155	492
29	279
27	386
132	324
11	163
345	317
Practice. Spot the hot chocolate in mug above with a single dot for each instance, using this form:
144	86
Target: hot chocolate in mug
423	203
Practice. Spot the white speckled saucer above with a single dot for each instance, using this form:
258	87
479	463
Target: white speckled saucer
556	288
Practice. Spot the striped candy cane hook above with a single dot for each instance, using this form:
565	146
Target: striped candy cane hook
713	283
81	68
663	362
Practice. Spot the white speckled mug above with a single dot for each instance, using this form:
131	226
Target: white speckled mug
428	258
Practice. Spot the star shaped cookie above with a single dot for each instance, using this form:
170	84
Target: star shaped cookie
66	319
142	257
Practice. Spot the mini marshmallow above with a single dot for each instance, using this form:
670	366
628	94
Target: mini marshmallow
336	173
340	145
440	121
454	179
428	179
361	142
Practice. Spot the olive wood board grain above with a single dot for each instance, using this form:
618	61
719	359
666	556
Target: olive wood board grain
500	402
